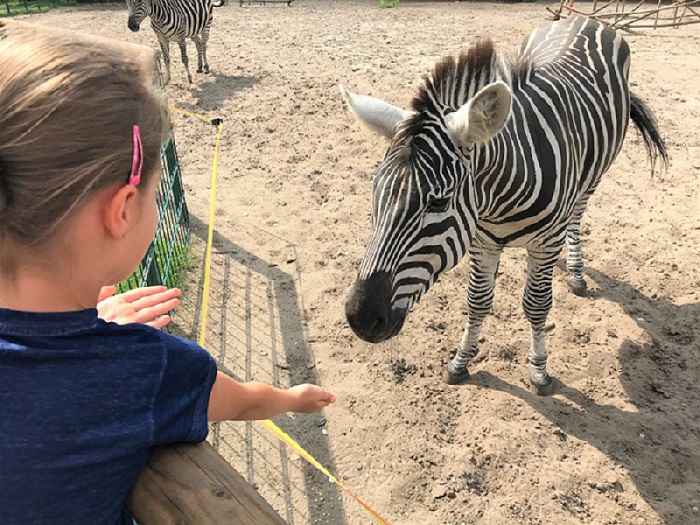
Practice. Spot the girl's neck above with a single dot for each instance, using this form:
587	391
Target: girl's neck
55	280
47	288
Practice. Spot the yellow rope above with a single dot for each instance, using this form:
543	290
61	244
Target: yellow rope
308	457
210	238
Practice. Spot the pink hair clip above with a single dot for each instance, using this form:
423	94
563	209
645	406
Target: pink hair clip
137	162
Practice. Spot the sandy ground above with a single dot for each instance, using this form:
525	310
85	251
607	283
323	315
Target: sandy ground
618	442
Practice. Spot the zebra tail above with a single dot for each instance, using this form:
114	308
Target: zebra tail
644	119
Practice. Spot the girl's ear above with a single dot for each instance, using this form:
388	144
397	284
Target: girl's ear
119	211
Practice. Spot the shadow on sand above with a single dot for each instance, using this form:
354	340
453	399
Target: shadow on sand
659	444
255	330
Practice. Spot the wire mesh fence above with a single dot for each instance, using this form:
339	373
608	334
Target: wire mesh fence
16	7
168	255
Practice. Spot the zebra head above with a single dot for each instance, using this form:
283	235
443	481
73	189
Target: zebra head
139	10
424	201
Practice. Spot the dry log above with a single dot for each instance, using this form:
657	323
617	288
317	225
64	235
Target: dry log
194	485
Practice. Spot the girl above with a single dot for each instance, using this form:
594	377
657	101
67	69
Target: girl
83	400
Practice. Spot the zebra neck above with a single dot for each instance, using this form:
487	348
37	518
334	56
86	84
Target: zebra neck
494	165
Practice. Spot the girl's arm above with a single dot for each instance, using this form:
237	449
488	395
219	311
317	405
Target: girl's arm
231	400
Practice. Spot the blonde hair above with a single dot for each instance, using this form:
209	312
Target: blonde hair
68	105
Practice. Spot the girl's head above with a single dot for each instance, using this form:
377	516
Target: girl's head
68	107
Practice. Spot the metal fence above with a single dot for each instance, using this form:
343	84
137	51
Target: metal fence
168	255
16	7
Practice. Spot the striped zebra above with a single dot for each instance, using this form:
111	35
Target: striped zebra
496	152
176	20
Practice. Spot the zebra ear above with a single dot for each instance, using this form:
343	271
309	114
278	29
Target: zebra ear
379	116
482	117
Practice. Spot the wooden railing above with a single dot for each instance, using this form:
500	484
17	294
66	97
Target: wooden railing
194	485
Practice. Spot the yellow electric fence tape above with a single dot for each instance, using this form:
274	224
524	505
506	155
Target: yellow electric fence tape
212	207
308	457
203	320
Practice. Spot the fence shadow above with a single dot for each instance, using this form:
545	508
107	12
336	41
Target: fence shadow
255	330
659	444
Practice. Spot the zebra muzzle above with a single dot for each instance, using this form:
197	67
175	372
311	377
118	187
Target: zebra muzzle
133	24
369	311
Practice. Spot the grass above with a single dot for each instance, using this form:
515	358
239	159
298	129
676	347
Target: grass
384	4
180	261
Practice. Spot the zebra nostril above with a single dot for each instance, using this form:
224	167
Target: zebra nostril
378	326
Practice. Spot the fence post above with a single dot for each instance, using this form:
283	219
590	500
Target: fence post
194	485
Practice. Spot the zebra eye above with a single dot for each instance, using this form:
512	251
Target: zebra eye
437	205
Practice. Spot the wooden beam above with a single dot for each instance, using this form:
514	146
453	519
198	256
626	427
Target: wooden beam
194	485
288	2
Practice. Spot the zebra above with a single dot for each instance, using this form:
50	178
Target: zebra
175	20
496	152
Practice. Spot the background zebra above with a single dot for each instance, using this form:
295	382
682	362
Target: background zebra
495	152
176	20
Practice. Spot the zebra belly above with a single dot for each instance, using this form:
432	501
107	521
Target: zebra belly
172	34
510	235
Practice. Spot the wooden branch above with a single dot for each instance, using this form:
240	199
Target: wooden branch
652	26
639	13
632	19
193	485
288	2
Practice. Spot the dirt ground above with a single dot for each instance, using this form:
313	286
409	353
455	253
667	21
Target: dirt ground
619	440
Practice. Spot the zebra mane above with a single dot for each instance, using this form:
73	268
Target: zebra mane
454	80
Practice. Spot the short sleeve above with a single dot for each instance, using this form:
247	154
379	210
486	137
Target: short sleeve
181	403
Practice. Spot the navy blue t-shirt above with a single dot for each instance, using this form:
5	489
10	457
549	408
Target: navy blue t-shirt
82	402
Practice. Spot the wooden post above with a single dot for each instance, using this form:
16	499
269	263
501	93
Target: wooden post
194	485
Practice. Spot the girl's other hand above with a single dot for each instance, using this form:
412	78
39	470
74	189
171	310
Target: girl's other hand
148	305
310	398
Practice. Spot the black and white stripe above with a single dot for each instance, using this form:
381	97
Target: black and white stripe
176	20
495	152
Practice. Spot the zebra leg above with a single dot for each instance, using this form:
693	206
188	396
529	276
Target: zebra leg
482	278
185	62
165	50
574	257
201	55
205	39
537	301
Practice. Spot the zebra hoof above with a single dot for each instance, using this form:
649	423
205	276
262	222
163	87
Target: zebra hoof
199	70
579	287
452	376
542	390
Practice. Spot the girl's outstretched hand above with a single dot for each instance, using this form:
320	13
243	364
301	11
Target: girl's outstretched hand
148	305
310	398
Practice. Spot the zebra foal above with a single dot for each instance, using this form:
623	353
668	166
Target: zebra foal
176	20
495	152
